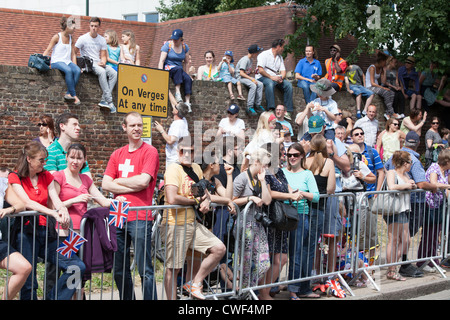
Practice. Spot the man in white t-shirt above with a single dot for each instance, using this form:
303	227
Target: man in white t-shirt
369	124
177	130
93	45
272	73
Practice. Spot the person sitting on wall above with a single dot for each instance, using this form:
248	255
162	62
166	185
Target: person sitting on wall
336	67
272	73
174	58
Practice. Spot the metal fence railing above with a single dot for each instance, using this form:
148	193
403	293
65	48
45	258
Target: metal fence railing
338	239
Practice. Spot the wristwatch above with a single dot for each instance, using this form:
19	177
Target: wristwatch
331	155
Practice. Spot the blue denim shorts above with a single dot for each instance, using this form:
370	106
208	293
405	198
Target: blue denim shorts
402	217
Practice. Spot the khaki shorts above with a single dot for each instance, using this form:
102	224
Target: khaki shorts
179	238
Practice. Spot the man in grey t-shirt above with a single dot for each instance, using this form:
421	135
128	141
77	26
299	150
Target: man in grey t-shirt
243	71
93	45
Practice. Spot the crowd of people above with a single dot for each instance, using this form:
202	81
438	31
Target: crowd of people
53	177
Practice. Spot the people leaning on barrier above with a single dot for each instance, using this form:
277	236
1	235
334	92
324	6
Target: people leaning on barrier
300	249
438	174
250	187
37	237
179	228
10	259
417	173
398	230
279	190
132	173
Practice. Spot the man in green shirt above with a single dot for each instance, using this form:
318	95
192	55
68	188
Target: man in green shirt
68	129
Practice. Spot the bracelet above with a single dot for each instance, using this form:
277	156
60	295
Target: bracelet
248	199
14	210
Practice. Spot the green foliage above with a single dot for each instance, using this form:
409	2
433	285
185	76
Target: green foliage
403	27
189	8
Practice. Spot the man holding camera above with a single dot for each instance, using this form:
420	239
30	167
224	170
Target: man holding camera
335	67
179	227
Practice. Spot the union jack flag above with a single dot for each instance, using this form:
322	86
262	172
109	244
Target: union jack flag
71	245
118	213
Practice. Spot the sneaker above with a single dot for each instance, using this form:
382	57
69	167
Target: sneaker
189	106
103	104
396	116
260	109
410	271
112	107
288	116
251	111
386	116
358	114
441	270
195	289
429	269
178	97
401	116
445	264
364	113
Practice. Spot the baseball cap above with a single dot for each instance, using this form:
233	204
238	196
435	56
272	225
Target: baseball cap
229	53
233	109
177	34
336	47
315	124
412	137
254	48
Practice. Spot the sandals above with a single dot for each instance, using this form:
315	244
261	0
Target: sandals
393	275
232	96
241	97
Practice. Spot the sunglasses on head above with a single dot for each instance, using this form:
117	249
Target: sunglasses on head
42	124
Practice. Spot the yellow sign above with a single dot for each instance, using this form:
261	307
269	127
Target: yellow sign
147	130
144	90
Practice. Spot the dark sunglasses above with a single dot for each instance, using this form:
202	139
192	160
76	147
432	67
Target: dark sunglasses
395	124
295	155
42	124
435	123
358	134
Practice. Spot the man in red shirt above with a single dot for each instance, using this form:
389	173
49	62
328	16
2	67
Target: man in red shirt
131	172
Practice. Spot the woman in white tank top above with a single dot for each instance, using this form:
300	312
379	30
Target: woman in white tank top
398	224
63	58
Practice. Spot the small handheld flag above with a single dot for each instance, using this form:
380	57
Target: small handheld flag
71	245
118	213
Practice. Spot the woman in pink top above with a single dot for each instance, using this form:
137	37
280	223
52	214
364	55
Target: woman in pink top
76	189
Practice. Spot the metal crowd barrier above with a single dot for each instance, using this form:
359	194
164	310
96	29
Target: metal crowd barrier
340	238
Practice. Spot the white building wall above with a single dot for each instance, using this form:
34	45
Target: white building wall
113	9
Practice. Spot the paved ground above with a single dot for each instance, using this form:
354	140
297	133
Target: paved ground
429	287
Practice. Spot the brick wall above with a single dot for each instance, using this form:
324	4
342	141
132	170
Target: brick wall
25	94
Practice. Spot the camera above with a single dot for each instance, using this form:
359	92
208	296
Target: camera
356	160
263	218
198	189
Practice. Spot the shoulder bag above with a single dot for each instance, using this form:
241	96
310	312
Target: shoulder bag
39	62
284	216
387	204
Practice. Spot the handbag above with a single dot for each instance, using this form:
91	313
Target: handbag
387	204
284	216
39	62
85	63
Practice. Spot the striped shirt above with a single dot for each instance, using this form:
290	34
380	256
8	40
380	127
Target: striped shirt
56	160
373	164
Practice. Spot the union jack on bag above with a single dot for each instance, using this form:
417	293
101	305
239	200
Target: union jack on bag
71	245
118	213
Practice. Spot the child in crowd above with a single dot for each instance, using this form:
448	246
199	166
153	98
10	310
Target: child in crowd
130	51
445	134
113	49
354	81
226	69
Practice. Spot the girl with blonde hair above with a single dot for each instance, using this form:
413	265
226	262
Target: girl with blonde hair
130	51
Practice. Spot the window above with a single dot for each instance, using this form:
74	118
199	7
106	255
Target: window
152	17
131	17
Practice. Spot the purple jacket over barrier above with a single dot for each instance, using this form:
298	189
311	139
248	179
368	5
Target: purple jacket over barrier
98	254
